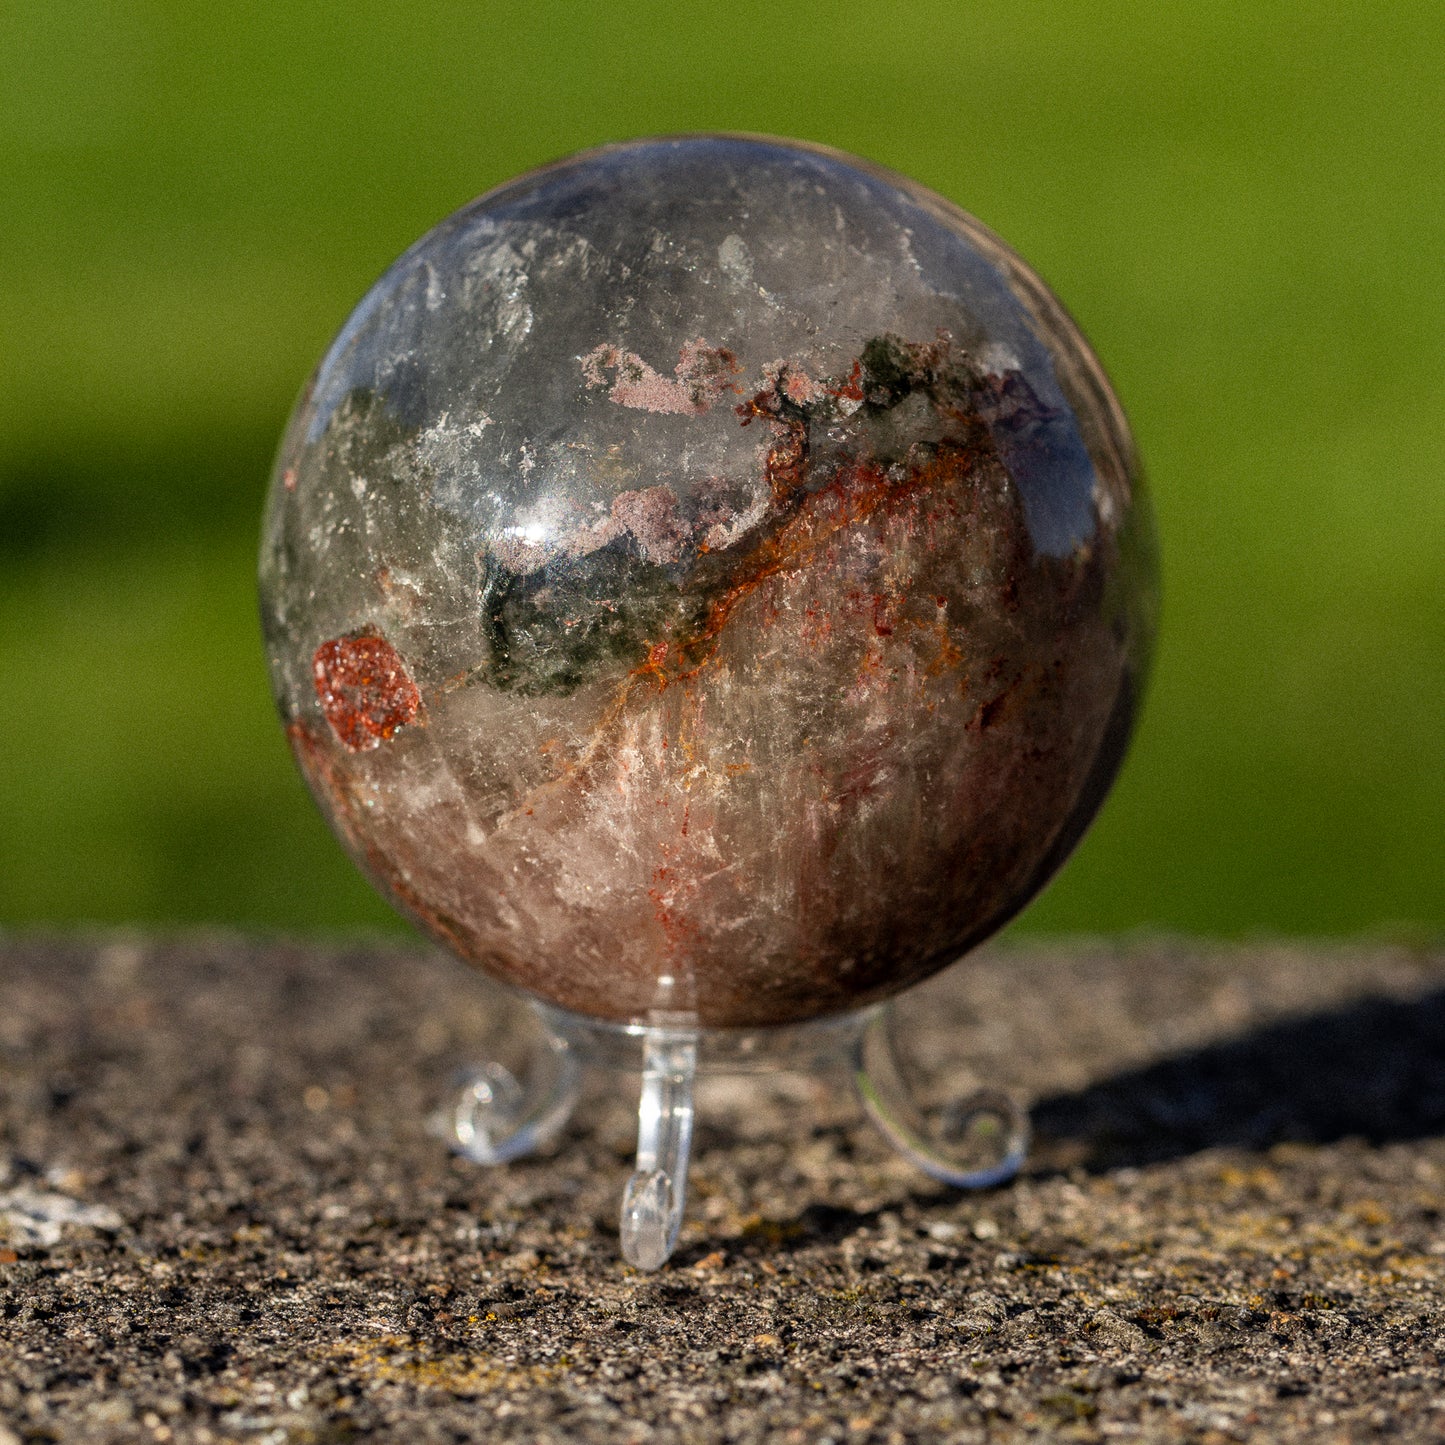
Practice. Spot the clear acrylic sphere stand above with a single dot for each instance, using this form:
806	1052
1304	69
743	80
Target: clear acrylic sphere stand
973	1142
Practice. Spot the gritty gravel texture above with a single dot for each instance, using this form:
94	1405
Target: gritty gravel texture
222	1218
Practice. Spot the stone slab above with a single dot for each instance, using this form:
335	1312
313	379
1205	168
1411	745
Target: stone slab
222	1217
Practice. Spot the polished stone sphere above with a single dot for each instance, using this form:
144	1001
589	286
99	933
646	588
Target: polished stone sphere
708	577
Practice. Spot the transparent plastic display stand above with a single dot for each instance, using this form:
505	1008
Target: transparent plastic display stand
973	1142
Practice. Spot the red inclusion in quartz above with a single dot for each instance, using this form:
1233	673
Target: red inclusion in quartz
364	689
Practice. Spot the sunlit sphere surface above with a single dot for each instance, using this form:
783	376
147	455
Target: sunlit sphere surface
711	577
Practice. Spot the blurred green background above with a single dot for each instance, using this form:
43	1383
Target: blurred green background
1242	204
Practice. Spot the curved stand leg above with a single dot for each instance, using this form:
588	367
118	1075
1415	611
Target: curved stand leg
496	1118
976	1142
656	1195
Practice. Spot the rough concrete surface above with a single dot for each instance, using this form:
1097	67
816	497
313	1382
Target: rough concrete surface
222	1218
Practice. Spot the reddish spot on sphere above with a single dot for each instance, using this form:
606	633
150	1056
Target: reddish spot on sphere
365	691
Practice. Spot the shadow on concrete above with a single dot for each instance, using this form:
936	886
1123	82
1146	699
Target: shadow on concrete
1373	1070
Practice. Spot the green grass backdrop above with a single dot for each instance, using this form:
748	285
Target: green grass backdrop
1242	204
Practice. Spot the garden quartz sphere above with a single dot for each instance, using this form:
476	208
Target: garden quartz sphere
708	576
